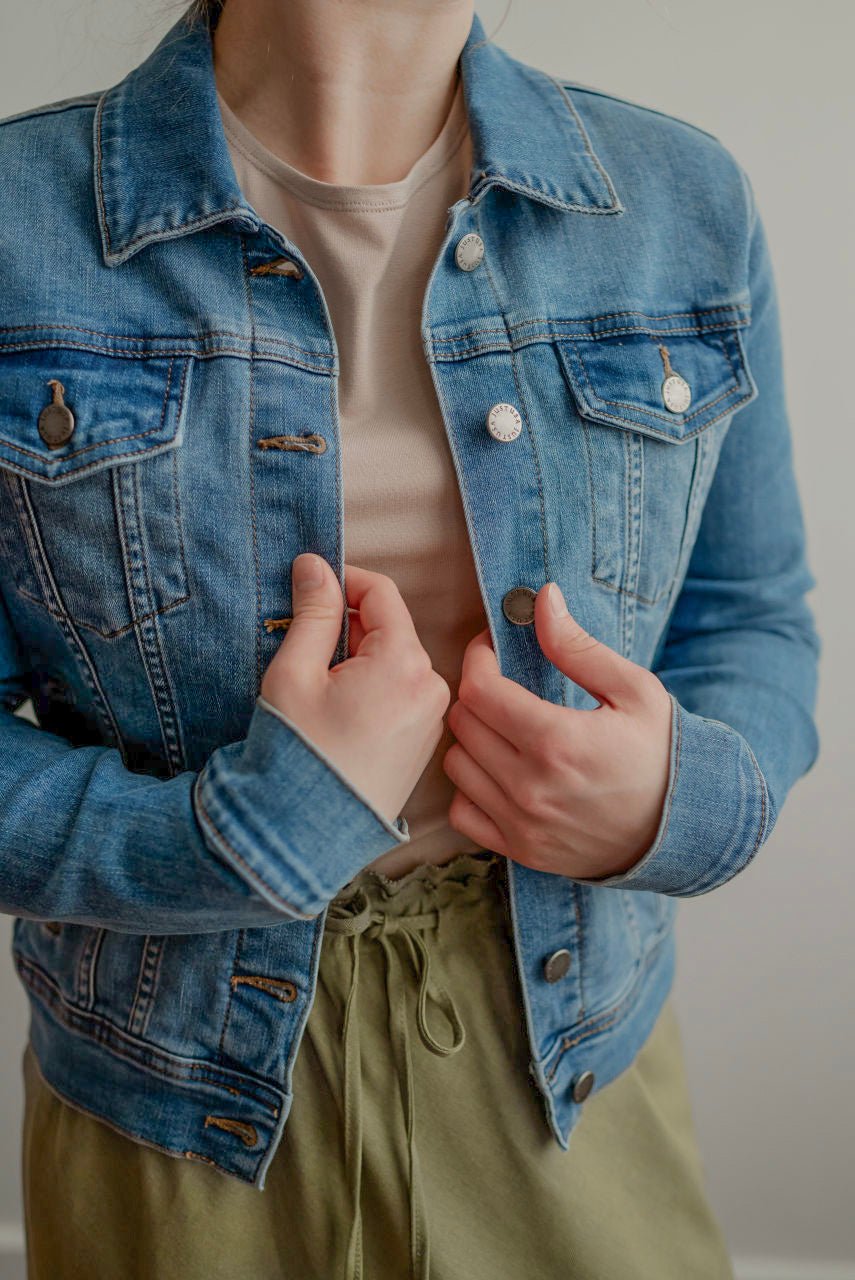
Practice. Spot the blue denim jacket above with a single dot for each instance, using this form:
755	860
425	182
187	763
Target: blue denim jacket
169	842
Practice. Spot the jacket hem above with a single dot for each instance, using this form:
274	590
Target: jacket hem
149	1095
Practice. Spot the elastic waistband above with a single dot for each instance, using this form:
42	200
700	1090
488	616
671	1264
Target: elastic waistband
429	884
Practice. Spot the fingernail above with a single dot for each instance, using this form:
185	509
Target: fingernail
307	570
556	600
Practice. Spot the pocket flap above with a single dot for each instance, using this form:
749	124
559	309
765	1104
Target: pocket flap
124	406
617	372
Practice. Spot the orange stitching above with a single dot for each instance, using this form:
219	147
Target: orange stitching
311	442
278	266
278	987
247	1133
194	1155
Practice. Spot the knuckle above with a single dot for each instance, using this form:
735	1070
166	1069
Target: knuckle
423	668
551	752
443	692
390	586
316	608
579	641
469	692
414	665
528	794
648	686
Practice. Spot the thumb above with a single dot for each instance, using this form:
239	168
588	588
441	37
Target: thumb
588	662
317	604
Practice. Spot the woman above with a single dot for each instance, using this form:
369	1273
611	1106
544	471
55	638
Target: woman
357	887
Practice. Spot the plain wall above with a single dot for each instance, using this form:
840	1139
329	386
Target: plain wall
765	965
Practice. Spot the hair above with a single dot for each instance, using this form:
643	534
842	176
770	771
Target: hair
207	11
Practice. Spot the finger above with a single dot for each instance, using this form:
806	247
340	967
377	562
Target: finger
355	632
317	604
384	616
495	754
588	662
511	710
465	816
477	784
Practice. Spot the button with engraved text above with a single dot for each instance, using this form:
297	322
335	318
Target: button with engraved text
518	605
582	1086
676	393
556	965
504	422
469	252
56	421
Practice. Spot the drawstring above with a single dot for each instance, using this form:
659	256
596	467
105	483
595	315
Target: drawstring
364	920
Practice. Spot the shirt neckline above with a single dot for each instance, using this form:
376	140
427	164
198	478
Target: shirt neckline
351	197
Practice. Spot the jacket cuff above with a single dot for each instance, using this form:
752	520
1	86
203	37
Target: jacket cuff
282	815
717	812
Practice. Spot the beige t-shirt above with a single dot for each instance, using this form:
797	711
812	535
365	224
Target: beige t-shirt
372	248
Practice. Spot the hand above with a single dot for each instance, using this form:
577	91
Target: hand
378	715
575	792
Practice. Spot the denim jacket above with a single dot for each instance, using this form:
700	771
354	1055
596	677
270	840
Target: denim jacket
169	842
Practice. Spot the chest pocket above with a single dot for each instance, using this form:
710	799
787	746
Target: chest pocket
654	397
91	530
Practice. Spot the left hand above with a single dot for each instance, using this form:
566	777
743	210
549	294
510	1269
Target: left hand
575	792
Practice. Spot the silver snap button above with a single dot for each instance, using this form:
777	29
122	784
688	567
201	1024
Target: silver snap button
469	252
504	422
518	605
676	393
557	965
582	1086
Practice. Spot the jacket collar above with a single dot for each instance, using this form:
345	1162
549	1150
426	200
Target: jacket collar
162	165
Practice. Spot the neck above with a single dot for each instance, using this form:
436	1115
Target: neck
348	93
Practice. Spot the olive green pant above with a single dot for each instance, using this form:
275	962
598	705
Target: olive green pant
417	1143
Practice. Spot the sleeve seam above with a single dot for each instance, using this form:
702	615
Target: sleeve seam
764	805
249	872
393	830
760	837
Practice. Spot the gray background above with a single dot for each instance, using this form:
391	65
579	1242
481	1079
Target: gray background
764	983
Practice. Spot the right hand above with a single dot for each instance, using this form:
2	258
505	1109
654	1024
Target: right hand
378	715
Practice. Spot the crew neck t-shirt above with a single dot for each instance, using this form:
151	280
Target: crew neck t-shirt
372	248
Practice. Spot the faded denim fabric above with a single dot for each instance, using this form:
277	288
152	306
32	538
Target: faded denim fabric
168	841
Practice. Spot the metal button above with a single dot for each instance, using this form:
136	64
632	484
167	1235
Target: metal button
504	422
518	605
676	393
582	1086
469	252
556	965
56	421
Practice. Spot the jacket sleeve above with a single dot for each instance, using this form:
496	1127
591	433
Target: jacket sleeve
266	832
739	657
